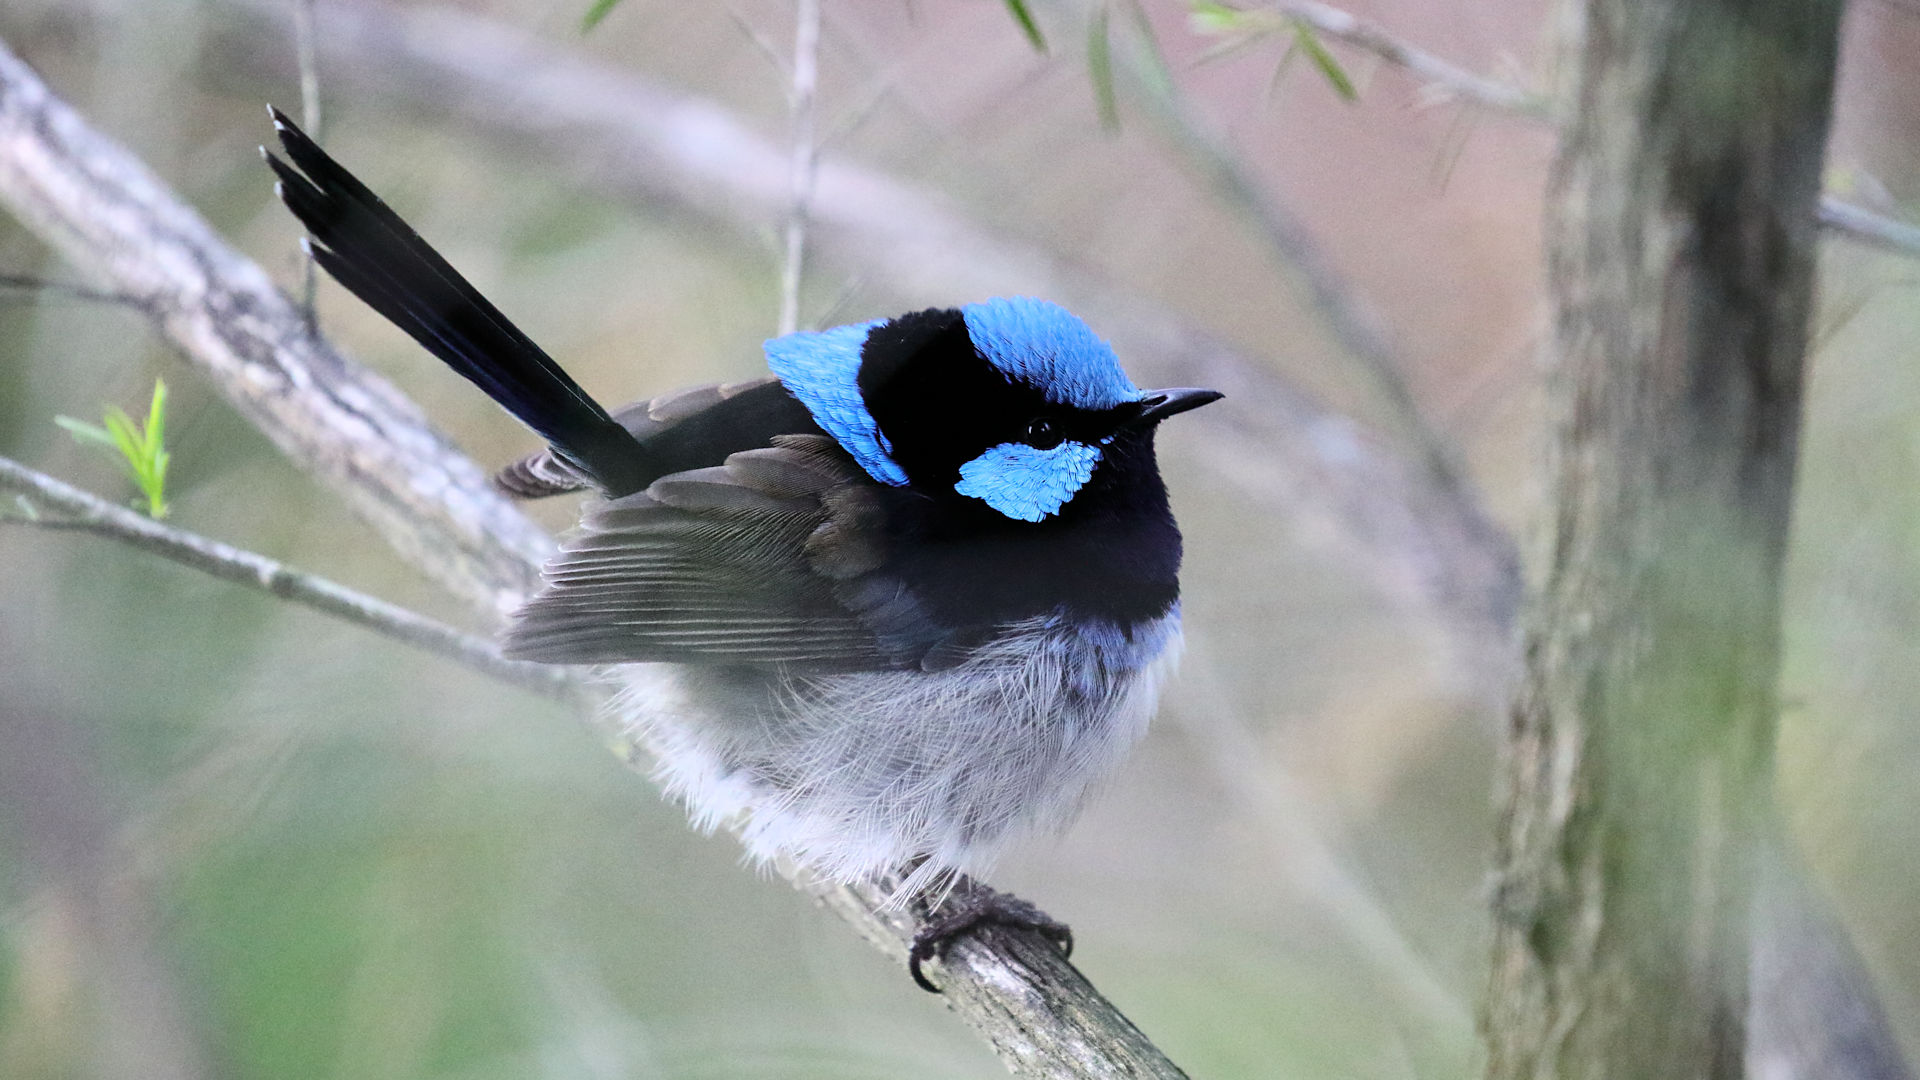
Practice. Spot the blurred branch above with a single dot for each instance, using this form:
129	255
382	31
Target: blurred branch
310	121
36	287
806	74
1303	857
1446	81
102	209
1868	227
73	907
80	510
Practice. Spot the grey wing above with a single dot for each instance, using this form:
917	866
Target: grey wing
742	563
542	473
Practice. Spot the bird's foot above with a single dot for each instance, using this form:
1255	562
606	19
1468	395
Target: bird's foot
970	906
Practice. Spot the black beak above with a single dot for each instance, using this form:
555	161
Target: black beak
1157	405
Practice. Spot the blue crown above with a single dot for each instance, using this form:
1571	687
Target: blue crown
1047	347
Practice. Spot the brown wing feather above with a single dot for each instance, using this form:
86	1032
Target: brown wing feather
734	564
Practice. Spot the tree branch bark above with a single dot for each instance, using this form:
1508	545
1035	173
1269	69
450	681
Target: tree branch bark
1682	251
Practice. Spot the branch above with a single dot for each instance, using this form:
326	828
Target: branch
1868	227
89	513
69	869
310	121
1446	81
110	216
37	287
806	70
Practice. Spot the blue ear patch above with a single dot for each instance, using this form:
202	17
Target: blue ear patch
1047	347
823	370
1025	482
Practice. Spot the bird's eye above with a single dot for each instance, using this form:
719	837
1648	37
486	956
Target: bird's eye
1043	434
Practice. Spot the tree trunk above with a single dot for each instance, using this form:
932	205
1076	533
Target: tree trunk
1682	244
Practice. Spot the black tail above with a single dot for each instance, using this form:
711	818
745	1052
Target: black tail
380	259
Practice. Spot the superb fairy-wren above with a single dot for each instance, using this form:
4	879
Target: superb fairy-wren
919	586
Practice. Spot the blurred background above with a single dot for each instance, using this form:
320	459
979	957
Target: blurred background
241	840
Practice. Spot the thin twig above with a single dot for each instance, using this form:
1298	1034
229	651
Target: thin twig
759	41
1305	858
1448	81
805	154
1868	227
80	510
310	119
42	286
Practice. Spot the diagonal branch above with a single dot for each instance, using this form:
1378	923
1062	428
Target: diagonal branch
110	216
79	510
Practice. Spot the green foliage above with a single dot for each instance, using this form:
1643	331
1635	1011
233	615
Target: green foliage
1239	27
1024	16
1310	43
142	450
1213	19
1100	69
596	14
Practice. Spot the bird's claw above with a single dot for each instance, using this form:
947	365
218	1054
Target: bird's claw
968	908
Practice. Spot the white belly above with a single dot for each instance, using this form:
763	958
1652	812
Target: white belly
855	774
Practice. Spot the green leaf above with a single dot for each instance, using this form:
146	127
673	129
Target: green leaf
157	418
142	451
1208	17
1317	52
1100	70
600	10
85	432
1022	15
126	437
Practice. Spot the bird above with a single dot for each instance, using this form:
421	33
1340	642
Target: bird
917	588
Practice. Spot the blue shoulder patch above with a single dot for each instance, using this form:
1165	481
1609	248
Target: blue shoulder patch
1047	347
822	369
